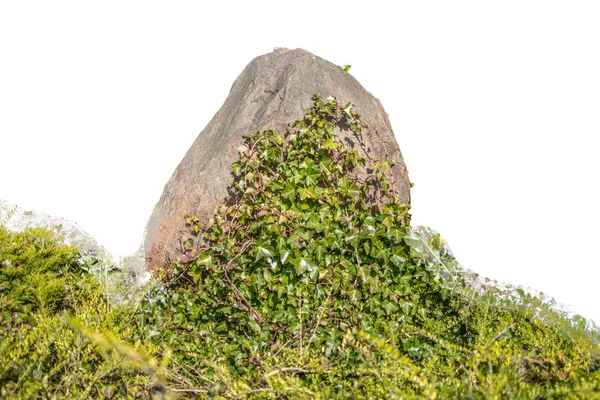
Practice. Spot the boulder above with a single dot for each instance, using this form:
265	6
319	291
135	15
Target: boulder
271	92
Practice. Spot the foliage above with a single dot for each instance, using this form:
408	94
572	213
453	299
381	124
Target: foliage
310	267
309	282
303	249
41	354
9	214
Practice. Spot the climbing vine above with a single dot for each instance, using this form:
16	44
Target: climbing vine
308	282
301	251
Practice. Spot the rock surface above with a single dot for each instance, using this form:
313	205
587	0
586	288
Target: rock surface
272	91
18	219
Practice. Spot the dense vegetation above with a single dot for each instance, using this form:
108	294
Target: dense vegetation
309	282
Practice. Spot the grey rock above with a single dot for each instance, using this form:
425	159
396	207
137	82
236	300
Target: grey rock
273	90
18	219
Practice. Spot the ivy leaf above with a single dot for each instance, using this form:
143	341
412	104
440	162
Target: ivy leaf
348	110
283	256
311	180
406	307
288	192
415	243
263	252
363	273
377	250
320	252
267	273
397	260
330	144
254	325
314	224
277	138
389	307
301	265
205	260
307	193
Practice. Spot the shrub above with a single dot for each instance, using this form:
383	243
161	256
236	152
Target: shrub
309	282
41	354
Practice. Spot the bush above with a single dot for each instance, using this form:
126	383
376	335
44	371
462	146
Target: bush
41	354
309	282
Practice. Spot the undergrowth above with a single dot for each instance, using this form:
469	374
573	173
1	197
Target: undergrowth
309	282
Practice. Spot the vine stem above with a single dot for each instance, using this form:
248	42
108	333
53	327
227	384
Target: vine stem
312	336
254	314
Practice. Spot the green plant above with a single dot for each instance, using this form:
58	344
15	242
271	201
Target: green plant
303	247
42	356
4	220
311	267
308	283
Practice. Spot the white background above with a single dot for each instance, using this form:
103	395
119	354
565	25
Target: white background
495	105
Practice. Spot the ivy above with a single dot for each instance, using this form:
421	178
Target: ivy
312	257
308	282
300	238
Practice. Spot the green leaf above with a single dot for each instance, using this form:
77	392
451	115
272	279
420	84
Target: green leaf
330	144
288	192
397	260
377	251
205	260
315	224
311	180
277	186
307	193
301	265
389	307
348	110
254	325
267	274
264	252
320	253
363	273
283	255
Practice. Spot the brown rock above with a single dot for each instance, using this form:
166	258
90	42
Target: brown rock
272	91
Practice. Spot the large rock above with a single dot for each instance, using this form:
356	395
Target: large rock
271	92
